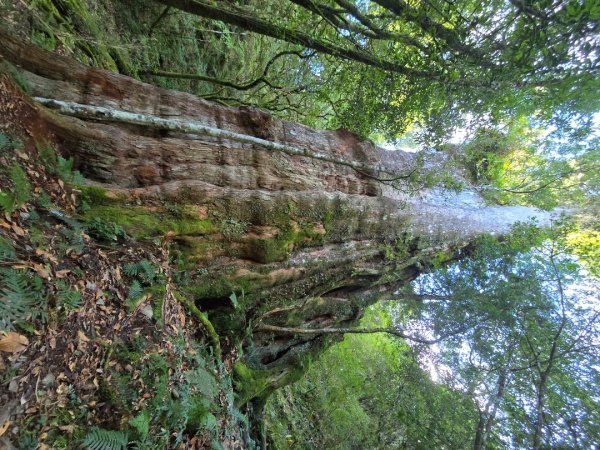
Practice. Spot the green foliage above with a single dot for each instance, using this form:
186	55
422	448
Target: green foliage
5	142
21	298
57	165
369	392
17	76
7	251
105	231
67	298
20	192
141	423
21	185
144	270
100	439
524	309
135	290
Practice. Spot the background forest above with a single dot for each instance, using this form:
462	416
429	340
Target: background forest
499	350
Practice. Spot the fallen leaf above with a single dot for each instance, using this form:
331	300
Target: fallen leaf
4	427
82	337
62	273
41	271
18	230
68	428
12	342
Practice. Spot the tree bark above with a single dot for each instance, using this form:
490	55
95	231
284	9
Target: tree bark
272	211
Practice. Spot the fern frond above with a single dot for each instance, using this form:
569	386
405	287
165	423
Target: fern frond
7	251
148	272
135	290
141	423
7	202
131	269
68	298
100	439
21	185
20	298
5	142
143	269
64	169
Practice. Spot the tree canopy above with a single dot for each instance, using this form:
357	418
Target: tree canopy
381	66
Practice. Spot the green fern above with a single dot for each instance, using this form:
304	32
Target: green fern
100	439
58	165
144	270
141	423
5	142
67	298
203	381
20	298
135	290
7	202
22	187
7	251
64	169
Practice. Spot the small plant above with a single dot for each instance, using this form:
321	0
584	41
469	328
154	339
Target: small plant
144	270
5	142
7	251
135	290
20	298
18	77
67	299
21	190
141	423
105	231
57	165
100	439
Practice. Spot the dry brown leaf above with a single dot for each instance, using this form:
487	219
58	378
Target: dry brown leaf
12	342
41	271
62	273
82	337
18	230
67	428
4	427
45	254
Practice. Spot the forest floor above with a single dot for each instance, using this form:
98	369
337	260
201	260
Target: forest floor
96	347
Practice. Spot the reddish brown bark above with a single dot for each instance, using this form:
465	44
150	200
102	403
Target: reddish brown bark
311	240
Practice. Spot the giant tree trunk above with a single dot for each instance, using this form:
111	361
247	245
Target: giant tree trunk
302	241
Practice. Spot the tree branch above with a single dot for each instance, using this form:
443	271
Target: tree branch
393	331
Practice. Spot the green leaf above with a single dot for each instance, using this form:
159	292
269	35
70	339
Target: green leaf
141	423
234	300
100	439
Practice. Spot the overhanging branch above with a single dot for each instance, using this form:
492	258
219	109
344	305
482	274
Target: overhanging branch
393	331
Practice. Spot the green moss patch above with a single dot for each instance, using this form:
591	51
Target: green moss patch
142	222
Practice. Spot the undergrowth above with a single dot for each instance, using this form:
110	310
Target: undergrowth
73	290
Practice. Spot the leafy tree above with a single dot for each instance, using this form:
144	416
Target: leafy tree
527	355
381	65
369	392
